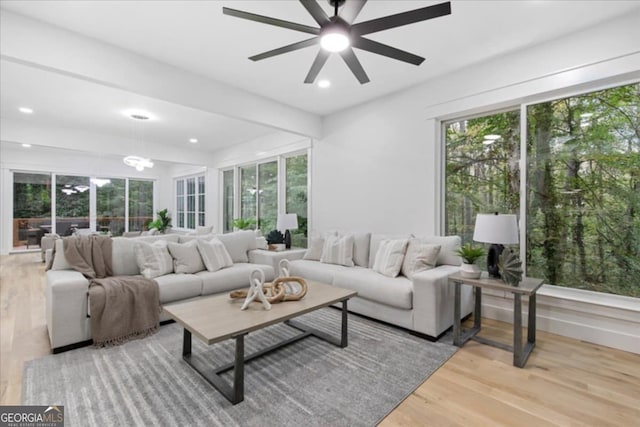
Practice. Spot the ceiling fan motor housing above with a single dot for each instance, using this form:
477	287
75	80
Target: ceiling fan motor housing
335	3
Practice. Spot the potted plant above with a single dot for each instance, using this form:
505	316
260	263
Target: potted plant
162	223
244	224
275	239
469	255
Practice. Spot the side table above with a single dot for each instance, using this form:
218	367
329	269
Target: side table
528	287
273	258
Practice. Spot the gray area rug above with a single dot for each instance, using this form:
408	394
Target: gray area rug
311	382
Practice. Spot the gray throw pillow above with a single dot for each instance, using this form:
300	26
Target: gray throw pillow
420	256
338	250
214	254
390	256
186	258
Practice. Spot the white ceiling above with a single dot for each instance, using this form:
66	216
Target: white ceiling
196	36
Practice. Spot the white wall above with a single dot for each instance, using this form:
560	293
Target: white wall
379	165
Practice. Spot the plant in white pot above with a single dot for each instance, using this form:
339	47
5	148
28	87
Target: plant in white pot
469	255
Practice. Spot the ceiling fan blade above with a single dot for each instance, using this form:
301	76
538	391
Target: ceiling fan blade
385	50
356	68
271	21
317	65
401	19
351	9
316	11
285	49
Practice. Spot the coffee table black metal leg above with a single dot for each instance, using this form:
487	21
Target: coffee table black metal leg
344	339
233	393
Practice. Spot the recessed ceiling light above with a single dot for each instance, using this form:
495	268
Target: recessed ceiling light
193	140
25	110
324	83
139	115
26	145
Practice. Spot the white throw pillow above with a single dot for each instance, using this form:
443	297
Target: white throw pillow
153	259
314	252
420	256
238	243
186	258
390	256
214	254
338	250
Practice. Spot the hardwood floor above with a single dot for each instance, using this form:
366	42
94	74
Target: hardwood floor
566	382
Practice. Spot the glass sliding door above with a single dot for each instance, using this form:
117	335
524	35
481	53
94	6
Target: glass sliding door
267	196
140	204
31	208
227	201
201	196
296	196
248	190
191	203
110	207
72	203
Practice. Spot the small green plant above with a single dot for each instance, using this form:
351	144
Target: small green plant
244	224
162	223
275	237
470	253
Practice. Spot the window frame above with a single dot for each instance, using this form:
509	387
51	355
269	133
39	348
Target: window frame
198	210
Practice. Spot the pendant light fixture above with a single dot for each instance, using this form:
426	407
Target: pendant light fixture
138	162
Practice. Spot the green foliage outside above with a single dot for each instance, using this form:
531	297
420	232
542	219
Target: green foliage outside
583	186
296	197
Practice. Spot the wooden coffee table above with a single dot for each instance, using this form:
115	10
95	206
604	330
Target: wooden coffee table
218	318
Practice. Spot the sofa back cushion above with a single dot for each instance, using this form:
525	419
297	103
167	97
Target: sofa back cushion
153	259
186	258
361	243
316	244
124	257
389	257
184	238
59	260
375	243
338	250
420	256
448	247
238	244
214	254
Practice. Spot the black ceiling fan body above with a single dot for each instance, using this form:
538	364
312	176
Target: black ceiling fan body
344	22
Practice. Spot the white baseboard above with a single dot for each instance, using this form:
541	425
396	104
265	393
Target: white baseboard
608	320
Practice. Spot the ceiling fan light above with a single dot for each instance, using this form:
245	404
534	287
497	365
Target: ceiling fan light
334	41
138	162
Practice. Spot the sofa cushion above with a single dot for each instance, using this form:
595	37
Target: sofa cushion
448	247
375	243
59	260
420	256
153	259
214	254
314	252
314	270
186	258
338	250
234	277
175	287
184	238
166	237
389	257
124	257
361	243
238	244
393	291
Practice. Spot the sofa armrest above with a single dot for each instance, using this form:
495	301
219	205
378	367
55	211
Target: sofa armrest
66	307
433	300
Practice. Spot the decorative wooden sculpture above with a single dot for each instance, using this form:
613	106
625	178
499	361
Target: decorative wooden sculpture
281	289
510	268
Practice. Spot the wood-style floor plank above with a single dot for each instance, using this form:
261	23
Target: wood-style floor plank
566	382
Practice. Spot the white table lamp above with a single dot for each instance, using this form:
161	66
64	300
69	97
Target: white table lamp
499	230
285	223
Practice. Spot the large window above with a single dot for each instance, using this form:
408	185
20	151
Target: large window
582	204
110	207
140	204
72	199
72	203
265	189
31	208
190	202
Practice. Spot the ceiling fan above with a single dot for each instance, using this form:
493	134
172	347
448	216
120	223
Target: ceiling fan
339	34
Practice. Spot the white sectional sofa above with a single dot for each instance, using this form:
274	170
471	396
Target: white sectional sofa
66	289
423	305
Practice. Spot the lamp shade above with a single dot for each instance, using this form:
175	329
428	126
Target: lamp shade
287	222
495	228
